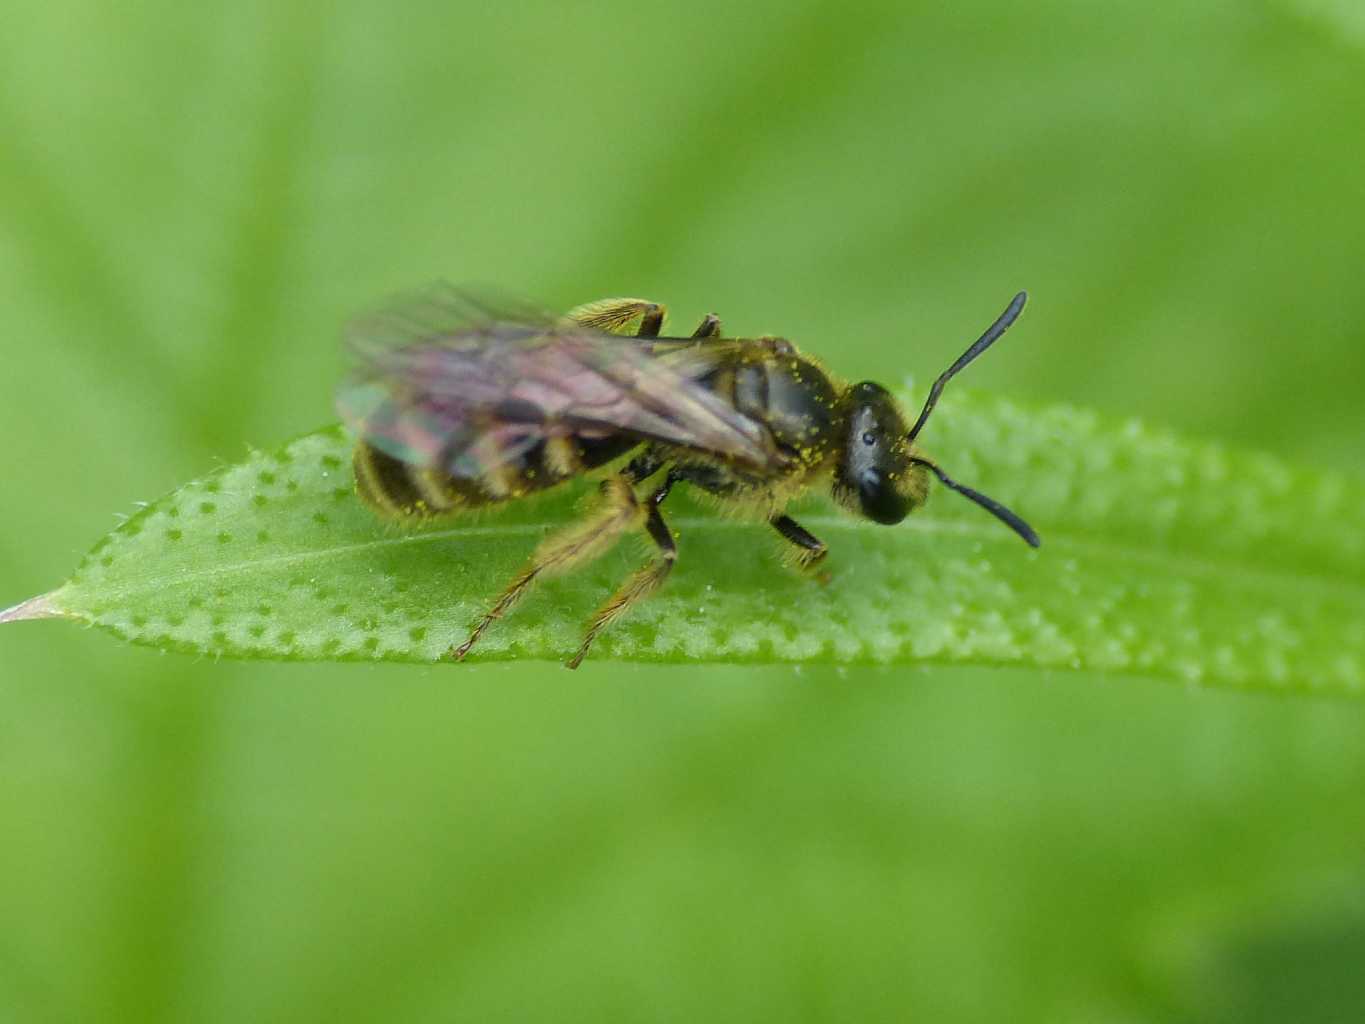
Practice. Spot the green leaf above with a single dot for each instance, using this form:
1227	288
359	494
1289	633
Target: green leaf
1161	556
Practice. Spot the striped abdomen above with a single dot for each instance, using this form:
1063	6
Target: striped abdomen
398	489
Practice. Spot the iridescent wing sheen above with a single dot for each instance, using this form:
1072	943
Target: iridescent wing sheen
449	381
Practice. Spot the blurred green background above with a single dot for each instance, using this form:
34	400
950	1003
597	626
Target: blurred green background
193	198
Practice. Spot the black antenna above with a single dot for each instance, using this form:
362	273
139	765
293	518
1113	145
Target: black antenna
982	343
989	504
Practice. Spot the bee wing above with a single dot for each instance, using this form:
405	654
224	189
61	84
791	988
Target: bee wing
465	384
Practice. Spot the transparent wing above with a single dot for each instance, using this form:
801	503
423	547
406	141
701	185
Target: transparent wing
464	383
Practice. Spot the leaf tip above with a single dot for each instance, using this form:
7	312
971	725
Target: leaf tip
41	607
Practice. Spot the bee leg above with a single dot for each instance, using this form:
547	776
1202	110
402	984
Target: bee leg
582	542
652	322
644	581
709	327
618	316
813	550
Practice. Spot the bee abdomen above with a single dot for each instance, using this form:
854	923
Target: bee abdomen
399	490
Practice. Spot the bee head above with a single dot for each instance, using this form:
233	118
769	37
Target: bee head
881	474
876	476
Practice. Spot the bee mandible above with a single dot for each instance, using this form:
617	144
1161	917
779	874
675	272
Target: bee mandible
460	404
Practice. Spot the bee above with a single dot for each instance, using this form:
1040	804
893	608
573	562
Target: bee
459	404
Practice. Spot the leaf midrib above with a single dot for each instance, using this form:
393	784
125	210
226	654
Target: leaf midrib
1167	562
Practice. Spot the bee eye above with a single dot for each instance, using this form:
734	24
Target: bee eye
869	438
879	499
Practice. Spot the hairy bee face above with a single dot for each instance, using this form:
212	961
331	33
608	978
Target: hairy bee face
875	476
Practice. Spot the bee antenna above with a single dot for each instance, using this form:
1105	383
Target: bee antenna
992	335
989	504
